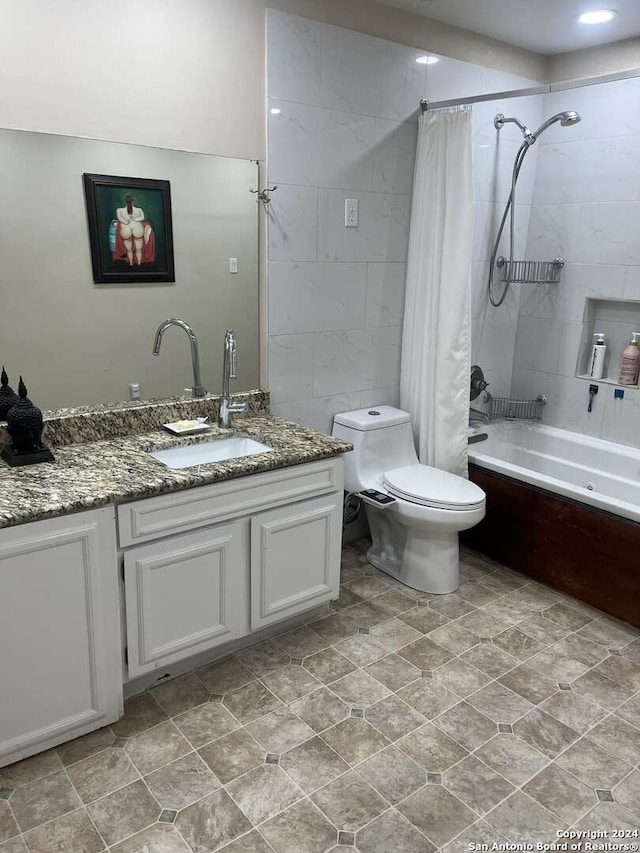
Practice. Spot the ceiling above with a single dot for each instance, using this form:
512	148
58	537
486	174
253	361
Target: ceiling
544	26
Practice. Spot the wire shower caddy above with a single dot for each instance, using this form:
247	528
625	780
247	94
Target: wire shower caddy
515	408
530	272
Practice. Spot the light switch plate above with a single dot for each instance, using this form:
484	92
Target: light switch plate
351	206
233	265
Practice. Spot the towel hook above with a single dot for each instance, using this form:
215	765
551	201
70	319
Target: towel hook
263	195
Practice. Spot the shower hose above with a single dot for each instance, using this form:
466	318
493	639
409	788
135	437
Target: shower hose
509	210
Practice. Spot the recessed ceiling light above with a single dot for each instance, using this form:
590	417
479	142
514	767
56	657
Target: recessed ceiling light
275	111
427	60
597	16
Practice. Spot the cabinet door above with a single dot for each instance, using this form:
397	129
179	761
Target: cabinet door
295	558
185	595
61	661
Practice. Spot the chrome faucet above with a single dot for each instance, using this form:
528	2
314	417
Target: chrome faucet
229	367
197	390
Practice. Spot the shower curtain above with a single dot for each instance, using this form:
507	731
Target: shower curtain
434	380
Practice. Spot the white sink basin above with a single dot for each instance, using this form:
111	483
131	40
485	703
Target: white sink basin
210	451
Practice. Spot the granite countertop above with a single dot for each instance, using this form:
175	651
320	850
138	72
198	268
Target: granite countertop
119	469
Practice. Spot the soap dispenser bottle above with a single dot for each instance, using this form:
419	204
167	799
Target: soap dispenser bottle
630	367
598	351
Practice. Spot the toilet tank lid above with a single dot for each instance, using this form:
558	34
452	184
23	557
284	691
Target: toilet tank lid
375	417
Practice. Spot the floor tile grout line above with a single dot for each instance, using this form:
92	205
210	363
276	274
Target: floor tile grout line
88	813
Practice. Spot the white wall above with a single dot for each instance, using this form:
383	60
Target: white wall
593	61
347	129
586	208
185	74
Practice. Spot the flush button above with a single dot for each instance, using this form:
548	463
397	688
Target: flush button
373	412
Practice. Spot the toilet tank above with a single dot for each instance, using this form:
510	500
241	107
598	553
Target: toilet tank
382	439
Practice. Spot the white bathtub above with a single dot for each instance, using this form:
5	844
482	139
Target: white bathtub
594	472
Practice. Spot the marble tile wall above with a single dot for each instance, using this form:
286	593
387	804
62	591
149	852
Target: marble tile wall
347	129
586	207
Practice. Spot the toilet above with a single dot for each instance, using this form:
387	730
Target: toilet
415	535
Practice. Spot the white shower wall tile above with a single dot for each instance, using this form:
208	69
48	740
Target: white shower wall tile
586	208
454	78
347	128
554	232
318	147
538	344
608	233
568	400
493	167
493	338
588	169
394	155
370	76
293	224
317	412
486	223
389	396
294	58
291	366
316	297
356	360
382	233
385	294
631	287
606	110
621	417
578	282
565	170
479	275
572	344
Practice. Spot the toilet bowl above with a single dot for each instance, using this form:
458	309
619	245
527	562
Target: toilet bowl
414	537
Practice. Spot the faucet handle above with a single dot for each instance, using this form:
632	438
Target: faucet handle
237	408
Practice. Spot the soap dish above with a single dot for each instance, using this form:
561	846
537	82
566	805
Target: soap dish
187	427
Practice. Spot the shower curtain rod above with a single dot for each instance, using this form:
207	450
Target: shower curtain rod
543	89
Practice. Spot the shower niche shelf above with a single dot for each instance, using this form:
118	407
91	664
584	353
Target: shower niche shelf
617	318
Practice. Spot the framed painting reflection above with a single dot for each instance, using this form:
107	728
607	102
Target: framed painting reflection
130	229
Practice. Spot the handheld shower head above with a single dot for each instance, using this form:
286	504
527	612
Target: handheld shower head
566	119
570	117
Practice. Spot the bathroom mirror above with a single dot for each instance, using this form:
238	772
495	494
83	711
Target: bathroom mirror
79	343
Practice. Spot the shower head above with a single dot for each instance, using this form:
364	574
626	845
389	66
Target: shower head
570	117
566	119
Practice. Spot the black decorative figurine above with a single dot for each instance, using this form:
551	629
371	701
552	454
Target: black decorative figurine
8	397
24	423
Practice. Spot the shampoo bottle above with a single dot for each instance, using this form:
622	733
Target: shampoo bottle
630	366
598	351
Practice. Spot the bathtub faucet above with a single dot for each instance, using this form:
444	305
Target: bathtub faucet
477	415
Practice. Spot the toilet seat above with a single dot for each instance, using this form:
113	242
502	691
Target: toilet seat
427	486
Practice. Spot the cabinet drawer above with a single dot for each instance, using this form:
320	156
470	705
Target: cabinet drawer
153	518
186	595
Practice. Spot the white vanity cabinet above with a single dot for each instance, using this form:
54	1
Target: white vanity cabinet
185	595
295	550
211	564
60	650
201	567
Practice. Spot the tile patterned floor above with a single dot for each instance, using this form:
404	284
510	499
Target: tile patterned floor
400	722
